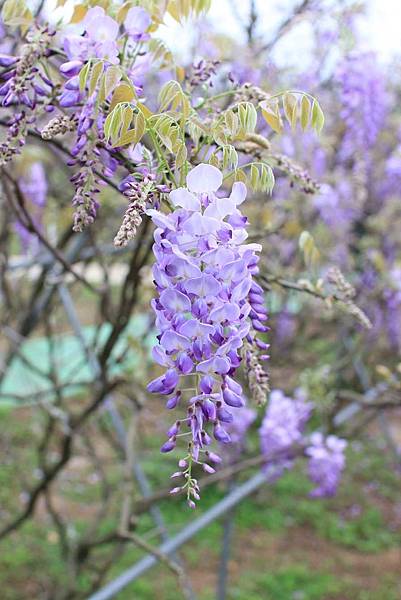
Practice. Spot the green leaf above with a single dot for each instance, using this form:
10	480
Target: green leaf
95	76
182	9
214	160
309	249
305	112
272	116
317	116
15	13
290	105
160	53
172	95
181	156
128	138
113	123
232	123
83	76
230	157
110	80
139	126
122	93
247	116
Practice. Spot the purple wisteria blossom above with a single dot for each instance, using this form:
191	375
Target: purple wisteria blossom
33	185
99	41
23	80
326	463
364	101
237	430
282	427
137	23
204	311
282	431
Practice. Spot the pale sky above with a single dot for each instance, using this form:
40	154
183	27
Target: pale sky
380	28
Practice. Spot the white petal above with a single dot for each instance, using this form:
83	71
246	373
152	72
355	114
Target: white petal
238	193
204	178
181	197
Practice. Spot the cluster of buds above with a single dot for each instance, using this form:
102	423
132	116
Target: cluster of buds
296	174
84	200
346	292
58	126
142	194
24	81
202	72
258	379
248	92
16	135
336	278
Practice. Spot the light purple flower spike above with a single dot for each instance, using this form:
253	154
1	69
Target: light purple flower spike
283	429
326	463
203	276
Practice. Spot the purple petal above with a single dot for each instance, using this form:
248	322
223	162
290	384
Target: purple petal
137	20
205	285
168	446
226	312
234	271
71	68
102	29
6	60
175	301
173	342
206	384
173	401
233	385
224	415
159	356
241	290
161	220
185	364
217	364
195	329
233	399
209	409
221	434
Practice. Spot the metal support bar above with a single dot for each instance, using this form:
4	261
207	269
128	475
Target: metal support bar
219	509
116	419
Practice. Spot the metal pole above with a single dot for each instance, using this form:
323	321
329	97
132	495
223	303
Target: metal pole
226	543
117	421
219	509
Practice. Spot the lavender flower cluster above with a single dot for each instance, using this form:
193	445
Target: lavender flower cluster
25	81
207	302
364	101
33	185
282	438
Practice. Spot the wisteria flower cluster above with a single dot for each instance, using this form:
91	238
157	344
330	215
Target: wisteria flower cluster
33	185
167	149
283	438
326	463
207	302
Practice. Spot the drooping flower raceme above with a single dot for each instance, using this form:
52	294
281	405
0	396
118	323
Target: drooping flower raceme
326	463
203	276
